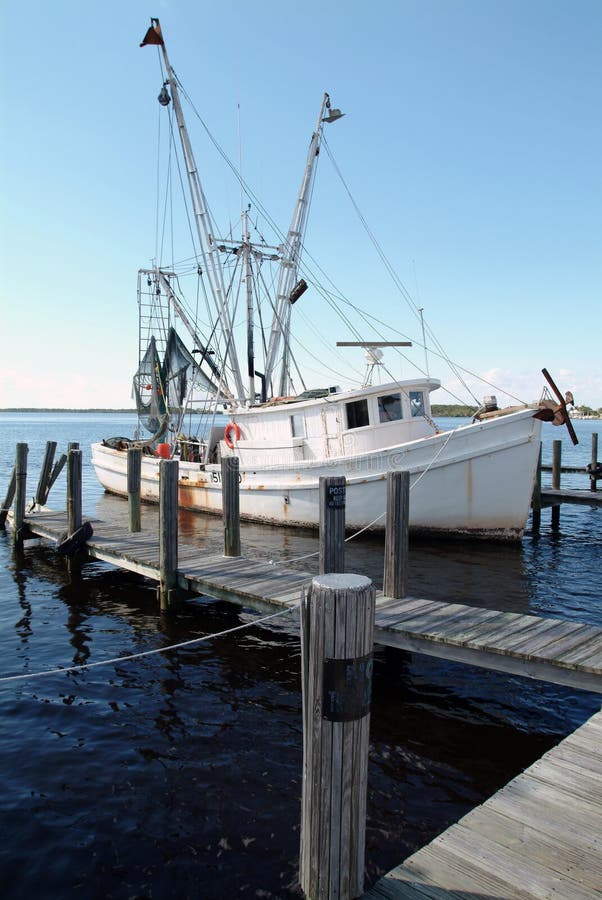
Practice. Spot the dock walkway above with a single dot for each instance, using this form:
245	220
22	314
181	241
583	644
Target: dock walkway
539	836
557	496
555	650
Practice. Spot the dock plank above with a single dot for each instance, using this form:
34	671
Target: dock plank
550	649
538	837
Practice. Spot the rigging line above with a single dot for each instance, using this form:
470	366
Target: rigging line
395	277
322	363
196	252
435	457
366	316
258	203
406	294
119	659
306	270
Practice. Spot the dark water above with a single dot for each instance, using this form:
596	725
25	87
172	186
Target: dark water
179	774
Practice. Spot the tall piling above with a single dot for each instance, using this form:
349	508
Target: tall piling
168	532
337	642
231	505
395	581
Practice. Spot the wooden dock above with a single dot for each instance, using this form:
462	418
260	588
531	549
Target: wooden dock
556	496
539	836
555	650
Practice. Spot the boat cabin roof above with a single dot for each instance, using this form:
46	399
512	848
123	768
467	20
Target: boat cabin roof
336	395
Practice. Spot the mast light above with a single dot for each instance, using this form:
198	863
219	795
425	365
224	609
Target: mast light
333	115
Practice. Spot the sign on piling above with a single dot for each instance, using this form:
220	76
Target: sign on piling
337	635
333	497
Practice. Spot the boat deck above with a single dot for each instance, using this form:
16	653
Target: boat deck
560	651
539	836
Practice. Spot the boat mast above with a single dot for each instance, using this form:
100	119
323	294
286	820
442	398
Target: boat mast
204	225
289	264
246	248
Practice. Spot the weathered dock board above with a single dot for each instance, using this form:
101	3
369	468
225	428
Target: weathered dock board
539	836
555	650
554	496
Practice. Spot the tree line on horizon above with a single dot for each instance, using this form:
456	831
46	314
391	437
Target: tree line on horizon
451	410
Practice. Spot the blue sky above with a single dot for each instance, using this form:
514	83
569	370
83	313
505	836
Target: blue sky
471	143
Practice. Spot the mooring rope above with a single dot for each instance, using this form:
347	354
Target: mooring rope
118	659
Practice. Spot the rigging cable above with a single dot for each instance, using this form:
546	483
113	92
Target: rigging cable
395	278
365	316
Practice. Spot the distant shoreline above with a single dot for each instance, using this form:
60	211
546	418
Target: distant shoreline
451	412
60	409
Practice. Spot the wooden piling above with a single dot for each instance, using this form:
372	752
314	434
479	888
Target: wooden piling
56	471
168	531
536	499
134	478
74	490
45	473
593	486
332	523
20	492
556	471
395	582
337	640
10	496
231	505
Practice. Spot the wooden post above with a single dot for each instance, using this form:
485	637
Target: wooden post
395	583
332	523
168	531
45	472
134	476
20	492
594	463
74	490
556	472
536	499
337	641
231	505
10	495
58	468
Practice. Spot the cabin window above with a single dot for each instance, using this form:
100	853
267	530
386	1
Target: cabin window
357	414
389	408
417	403
298	426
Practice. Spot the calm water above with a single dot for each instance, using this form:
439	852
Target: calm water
179	774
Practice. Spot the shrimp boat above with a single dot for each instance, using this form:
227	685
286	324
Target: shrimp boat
236	361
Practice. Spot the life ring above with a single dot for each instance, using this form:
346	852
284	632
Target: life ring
231	427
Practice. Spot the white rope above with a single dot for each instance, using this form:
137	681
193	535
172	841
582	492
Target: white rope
435	457
374	521
118	659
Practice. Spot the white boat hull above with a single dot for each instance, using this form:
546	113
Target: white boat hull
476	480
